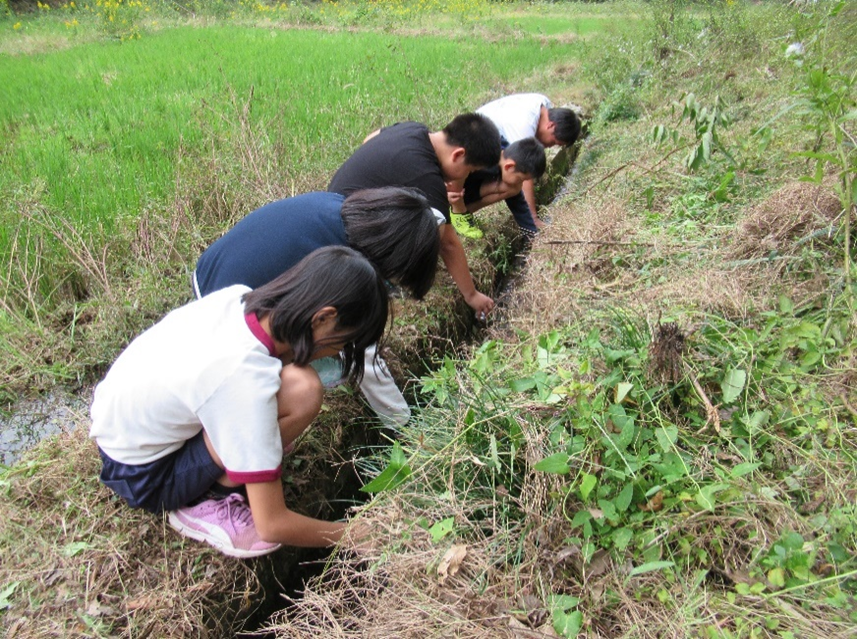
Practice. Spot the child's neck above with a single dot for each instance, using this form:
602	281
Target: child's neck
282	350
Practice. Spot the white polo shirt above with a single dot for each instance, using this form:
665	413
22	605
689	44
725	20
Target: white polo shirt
204	365
517	115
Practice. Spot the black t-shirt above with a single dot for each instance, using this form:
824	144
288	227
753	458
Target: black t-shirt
400	155
270	240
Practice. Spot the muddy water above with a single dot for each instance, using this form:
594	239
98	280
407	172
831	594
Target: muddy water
32	420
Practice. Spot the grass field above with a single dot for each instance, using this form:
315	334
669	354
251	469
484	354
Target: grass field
101	137
656	438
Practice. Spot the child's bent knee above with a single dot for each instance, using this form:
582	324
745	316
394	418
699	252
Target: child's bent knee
301	386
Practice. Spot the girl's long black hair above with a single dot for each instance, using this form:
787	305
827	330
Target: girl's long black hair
334	276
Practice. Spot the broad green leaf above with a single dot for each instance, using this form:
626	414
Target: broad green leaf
556	464
563	602
609	509
705	496
567	624
74	548
757	420
521	385
777	577
706	145
650	566
442	528
580	518
495	457
786	305
623	499
743	469
824	157
621	538
666	437
622	391
394	474
6	595
733	384
586	485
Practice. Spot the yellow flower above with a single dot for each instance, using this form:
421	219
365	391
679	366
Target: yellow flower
16	26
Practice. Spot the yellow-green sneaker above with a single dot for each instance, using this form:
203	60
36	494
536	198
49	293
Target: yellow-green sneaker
465	225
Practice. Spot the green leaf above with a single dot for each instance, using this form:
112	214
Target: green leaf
495	456
705	496
75	548
666	437
393	475
6	595
522	385
706	145
743	469
609	509
622	391
556	464
567	624
733	384
586	485
621	538
777	577
442	528
786	305
563	602
623	499
650	566
757	420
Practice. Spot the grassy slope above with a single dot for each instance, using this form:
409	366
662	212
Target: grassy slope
659	440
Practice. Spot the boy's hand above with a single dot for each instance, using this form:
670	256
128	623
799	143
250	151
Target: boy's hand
455	195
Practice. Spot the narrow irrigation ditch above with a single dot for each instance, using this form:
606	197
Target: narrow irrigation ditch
94	567
329	491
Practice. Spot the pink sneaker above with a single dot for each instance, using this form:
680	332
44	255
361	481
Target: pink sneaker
226	524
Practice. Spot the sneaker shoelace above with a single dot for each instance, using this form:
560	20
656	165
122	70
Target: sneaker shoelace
236	510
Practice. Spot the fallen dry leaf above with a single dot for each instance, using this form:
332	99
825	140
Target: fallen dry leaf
451	562
654	504
599	563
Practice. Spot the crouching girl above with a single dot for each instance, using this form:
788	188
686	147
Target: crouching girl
207	400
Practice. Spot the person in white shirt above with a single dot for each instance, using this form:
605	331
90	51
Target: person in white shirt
207	400
520	116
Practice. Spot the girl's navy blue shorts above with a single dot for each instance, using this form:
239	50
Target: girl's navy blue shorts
164	484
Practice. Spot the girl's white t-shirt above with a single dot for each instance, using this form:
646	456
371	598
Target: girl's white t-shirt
204	365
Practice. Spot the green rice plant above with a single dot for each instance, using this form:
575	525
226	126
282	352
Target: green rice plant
110	140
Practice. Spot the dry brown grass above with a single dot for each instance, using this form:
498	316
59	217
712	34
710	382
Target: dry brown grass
87	565
568	262
787	219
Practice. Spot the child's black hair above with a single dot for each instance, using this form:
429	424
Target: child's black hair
395	228
529	157
567	123
478	136
335	276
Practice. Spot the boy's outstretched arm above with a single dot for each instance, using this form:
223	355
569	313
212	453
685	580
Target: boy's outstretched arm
452	253
529	191
277	524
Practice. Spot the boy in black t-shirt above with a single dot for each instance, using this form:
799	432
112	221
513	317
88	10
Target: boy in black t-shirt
521	161
408	154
